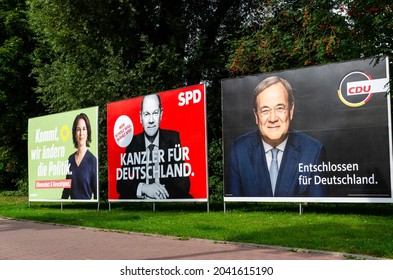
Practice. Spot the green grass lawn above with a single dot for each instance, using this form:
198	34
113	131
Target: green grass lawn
364	229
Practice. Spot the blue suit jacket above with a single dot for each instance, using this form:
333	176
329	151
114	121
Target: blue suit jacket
249	175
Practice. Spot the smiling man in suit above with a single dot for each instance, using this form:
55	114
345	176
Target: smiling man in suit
265	162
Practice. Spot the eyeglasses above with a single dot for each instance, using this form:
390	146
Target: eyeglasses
279	110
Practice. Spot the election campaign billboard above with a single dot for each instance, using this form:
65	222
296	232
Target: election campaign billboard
320	133
63	156
157	147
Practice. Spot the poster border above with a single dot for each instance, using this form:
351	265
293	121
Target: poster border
206	158
61	200
354	199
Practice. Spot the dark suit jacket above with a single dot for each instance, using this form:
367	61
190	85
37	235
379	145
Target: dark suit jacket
249	175
83	178
177	187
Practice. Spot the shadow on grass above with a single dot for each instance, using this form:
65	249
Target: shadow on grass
324	236
374	209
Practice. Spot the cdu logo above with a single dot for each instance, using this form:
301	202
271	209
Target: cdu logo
357	88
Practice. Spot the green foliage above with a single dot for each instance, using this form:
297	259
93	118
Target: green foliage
17	100
60	55
371	25
216	190
311	33
80	61
94	52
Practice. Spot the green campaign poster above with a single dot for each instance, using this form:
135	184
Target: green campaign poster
63	156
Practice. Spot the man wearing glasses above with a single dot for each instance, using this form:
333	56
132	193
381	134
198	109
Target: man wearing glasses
267	162
149	159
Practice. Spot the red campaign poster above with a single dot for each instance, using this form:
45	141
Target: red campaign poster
158	152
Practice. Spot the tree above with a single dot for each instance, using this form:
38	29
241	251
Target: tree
18	102
301	33
93	52
88	53
371	24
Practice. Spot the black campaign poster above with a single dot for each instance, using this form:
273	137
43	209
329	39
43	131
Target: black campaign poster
343	106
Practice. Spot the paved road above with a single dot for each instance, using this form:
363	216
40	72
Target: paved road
27	240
